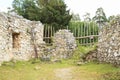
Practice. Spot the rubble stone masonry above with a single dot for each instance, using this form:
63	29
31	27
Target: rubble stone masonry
17	36
109	42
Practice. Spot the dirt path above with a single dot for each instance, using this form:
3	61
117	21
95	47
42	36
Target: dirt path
63	74
73	73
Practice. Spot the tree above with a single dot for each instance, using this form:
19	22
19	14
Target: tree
100	16
75	17
52	12
27	8
87	17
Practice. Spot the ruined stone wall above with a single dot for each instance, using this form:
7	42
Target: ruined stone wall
109	42
64	43
16	37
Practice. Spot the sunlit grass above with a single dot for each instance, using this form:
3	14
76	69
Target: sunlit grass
37	70
45	70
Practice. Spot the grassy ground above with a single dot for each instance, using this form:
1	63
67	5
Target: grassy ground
46	71
66	70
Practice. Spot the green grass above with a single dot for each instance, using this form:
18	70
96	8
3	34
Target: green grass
29	71
99	68
37	70
45	70
81	51
94	71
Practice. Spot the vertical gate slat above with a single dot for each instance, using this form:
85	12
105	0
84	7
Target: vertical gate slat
90	33
93	32
45	32
81	33
87	33
84	33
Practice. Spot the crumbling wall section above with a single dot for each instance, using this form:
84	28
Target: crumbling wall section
109	42
64	43
4	41
15	30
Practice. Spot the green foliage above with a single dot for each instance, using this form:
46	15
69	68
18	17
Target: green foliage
81	51
27	8
11	64
52	12
87	17
55	14
34	60
75	17
100	16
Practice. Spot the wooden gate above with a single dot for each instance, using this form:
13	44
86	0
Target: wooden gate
86	33
48	34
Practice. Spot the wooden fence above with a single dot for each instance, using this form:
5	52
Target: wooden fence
86	33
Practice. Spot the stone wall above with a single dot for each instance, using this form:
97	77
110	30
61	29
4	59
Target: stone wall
109	42
16	37
64	43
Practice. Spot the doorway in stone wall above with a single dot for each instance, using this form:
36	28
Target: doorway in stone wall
16	40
